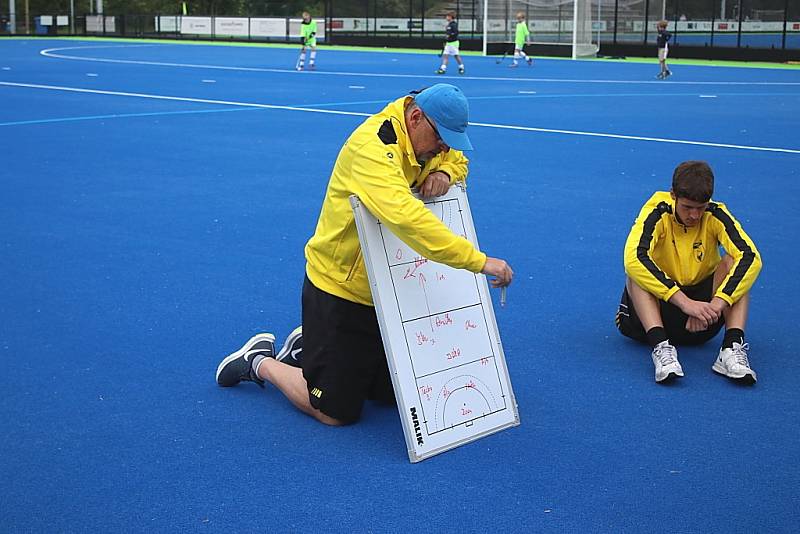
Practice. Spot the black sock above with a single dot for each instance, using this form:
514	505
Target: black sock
656	335
731	335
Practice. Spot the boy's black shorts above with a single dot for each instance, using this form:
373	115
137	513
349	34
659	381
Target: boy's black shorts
343	358
672	316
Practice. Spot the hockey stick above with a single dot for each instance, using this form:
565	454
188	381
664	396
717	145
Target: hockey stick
498	61
302	53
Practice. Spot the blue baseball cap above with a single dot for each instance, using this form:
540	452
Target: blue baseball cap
448	108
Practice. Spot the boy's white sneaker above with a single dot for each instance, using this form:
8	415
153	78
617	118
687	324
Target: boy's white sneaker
665	359
733	363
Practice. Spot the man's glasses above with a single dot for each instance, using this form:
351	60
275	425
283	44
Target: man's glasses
435	132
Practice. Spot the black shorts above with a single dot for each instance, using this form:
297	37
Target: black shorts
672	316
343	358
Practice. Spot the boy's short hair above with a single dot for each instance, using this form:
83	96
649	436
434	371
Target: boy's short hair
662	24
693	180
520	14
451	14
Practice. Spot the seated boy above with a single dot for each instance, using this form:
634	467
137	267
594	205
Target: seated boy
679	289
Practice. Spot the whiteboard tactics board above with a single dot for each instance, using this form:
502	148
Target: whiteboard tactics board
440	335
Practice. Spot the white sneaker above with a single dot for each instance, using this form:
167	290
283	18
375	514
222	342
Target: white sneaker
665	358
733	363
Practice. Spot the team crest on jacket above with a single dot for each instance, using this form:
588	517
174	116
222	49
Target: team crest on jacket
699	250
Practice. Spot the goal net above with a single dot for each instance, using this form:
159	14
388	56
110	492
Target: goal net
567	23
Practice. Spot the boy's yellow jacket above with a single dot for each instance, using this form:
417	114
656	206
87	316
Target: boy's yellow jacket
661	254
378	164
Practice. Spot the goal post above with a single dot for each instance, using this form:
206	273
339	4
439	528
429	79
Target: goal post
582	45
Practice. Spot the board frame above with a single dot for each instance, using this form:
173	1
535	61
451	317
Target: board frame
389	318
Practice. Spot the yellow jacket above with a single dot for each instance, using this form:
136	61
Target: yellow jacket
378	164
661	254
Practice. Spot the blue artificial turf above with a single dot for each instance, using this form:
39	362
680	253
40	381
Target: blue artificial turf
143	239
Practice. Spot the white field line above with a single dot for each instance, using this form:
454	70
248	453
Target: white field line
52	52
360	114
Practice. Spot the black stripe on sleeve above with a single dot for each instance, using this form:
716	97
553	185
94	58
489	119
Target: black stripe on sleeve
648	228
748	254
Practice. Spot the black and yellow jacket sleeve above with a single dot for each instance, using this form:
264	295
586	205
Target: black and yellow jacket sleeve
662	255
378	164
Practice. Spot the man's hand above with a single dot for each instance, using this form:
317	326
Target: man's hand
435	185
500	270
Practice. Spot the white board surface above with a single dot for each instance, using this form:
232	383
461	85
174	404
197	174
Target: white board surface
440	335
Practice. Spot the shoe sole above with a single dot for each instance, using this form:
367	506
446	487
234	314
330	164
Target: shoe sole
744	378
239	353
669	378
284	352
